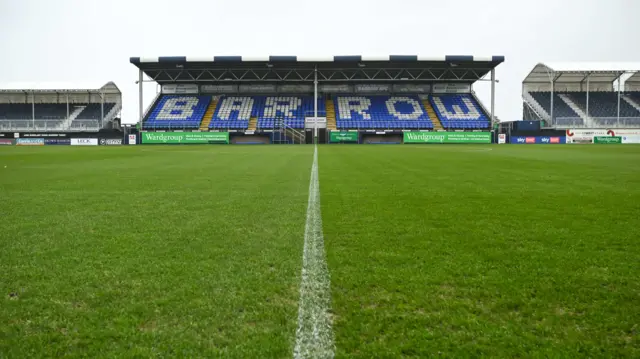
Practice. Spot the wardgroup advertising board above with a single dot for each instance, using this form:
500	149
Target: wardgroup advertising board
343	136
185	137
607	139
447	137
541	140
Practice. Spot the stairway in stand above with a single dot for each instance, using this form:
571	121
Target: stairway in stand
437	125
331	116
253	123
208	115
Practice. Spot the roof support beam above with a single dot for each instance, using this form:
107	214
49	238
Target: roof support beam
365	74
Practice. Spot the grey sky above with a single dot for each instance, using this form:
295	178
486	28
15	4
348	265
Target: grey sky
80	41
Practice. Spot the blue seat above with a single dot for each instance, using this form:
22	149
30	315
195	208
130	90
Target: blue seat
177	112
381	112
459	111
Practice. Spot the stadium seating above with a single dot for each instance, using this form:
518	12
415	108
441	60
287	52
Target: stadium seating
603	104
634	96
177	112
381	112
26	112
603	108
93	111
292	110
562	113
50	116
632	122
459	111
234	112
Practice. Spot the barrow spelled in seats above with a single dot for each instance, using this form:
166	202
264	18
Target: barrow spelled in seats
460	111
235	112
177	111
381	112
288	110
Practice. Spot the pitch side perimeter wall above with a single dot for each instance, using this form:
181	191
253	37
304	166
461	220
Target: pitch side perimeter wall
603	136
104	138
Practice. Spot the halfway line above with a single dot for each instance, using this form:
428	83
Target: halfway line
314	336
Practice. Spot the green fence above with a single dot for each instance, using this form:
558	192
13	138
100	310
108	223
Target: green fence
185	137
343	136
607	139
447	137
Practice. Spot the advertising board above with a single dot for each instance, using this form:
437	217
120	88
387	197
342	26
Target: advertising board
30	142
447	137
343	136
43	135
185	137
372	88
6	142
84	142
57	141
631	139
451	88
607	139
588	135
110	141
132	139
502	138
412	88
540	140
180	89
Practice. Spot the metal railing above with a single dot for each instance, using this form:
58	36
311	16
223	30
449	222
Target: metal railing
595	122
85	125
49	125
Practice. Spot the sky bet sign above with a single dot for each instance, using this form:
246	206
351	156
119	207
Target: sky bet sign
540	140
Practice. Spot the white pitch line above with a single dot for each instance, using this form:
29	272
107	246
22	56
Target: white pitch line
314	336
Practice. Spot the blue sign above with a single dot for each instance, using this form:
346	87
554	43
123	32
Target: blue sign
57	141
540	140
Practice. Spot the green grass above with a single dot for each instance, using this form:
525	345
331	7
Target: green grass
434	250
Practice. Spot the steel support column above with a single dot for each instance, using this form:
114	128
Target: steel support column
102	109
619	89
33	110
588	98
315	105
493	96
140	99
553	80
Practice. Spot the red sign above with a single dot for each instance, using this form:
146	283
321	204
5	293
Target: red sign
555	139
6	142
530	140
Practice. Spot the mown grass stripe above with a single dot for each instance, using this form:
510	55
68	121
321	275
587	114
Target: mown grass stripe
314	336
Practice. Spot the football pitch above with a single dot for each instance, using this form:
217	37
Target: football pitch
432	250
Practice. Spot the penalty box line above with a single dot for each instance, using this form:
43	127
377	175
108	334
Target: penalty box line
314	336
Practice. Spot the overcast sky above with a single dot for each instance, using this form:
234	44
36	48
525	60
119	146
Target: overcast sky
90	41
